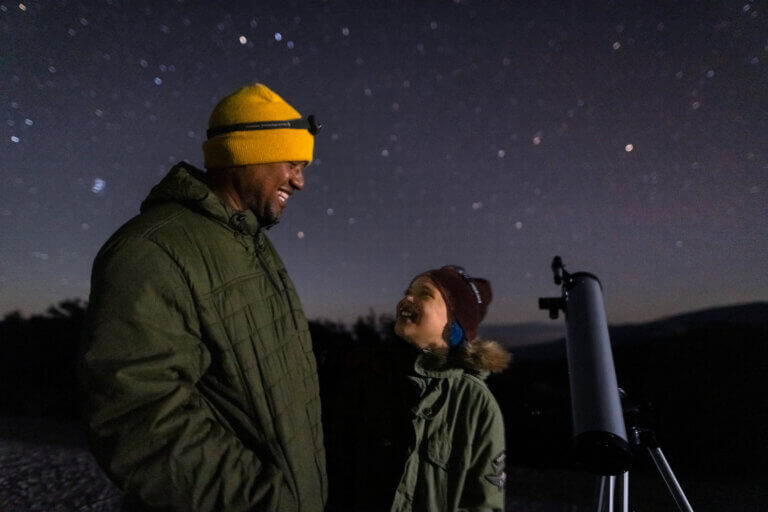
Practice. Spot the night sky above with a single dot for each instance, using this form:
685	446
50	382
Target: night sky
627	137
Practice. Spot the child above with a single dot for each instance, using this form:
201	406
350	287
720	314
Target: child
418	430
456	457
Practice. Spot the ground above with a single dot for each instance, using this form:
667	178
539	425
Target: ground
45	466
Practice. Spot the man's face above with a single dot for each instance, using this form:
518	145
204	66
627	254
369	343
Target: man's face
422	315
265	188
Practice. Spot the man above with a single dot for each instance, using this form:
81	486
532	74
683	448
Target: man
199	380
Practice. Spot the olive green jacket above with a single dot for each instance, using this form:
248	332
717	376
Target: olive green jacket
199	383
415	431
456	458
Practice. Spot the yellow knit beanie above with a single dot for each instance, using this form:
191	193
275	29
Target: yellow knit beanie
248	136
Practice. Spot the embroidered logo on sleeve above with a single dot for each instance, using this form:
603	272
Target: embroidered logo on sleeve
499	477
498	462
497	480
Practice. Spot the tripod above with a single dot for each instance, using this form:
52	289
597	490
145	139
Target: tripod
606	486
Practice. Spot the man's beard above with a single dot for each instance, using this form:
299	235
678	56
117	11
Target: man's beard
269	218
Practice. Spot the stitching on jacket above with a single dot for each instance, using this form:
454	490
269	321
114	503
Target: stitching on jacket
160	223
232	282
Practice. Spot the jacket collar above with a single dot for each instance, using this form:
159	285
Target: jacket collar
187	185
433	365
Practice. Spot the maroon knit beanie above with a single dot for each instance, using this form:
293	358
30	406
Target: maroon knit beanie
466	297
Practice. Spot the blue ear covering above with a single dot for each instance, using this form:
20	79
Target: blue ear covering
456	334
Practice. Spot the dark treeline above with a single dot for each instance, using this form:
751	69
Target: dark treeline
699	380
37	360
38	355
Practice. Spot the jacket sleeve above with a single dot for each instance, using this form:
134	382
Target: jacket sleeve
149	427
486	476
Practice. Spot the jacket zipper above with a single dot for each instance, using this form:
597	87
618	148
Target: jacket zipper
278	282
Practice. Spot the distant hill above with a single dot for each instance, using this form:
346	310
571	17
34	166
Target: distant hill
540	340
751	315
517	335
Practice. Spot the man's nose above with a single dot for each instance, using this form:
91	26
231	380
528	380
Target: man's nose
297	177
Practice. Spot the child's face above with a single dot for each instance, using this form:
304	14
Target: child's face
422	315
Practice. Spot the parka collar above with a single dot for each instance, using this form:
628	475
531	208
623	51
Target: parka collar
480	358
430	369
186	184
434	365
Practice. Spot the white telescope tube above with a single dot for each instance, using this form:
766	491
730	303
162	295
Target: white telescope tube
600	437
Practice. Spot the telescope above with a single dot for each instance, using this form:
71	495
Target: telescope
600	442
599	436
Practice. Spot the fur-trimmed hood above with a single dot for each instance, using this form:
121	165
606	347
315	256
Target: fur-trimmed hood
480	356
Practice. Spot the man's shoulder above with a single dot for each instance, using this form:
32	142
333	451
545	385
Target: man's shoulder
159	219
162	226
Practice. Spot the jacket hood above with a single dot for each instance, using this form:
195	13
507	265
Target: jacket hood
187	185
481	356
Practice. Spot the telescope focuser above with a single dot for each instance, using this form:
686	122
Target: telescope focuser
553	304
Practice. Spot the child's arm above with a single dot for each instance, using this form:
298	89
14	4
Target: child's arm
484	486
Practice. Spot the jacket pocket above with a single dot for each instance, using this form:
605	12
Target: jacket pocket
431	492
438	452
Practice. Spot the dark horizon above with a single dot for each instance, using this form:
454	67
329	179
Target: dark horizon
511	335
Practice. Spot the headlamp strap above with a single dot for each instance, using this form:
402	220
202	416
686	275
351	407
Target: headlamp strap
310	124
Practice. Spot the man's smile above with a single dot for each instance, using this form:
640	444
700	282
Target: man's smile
283	196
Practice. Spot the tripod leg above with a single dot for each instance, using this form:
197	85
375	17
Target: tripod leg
602	493
670	480
611	492
625	492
